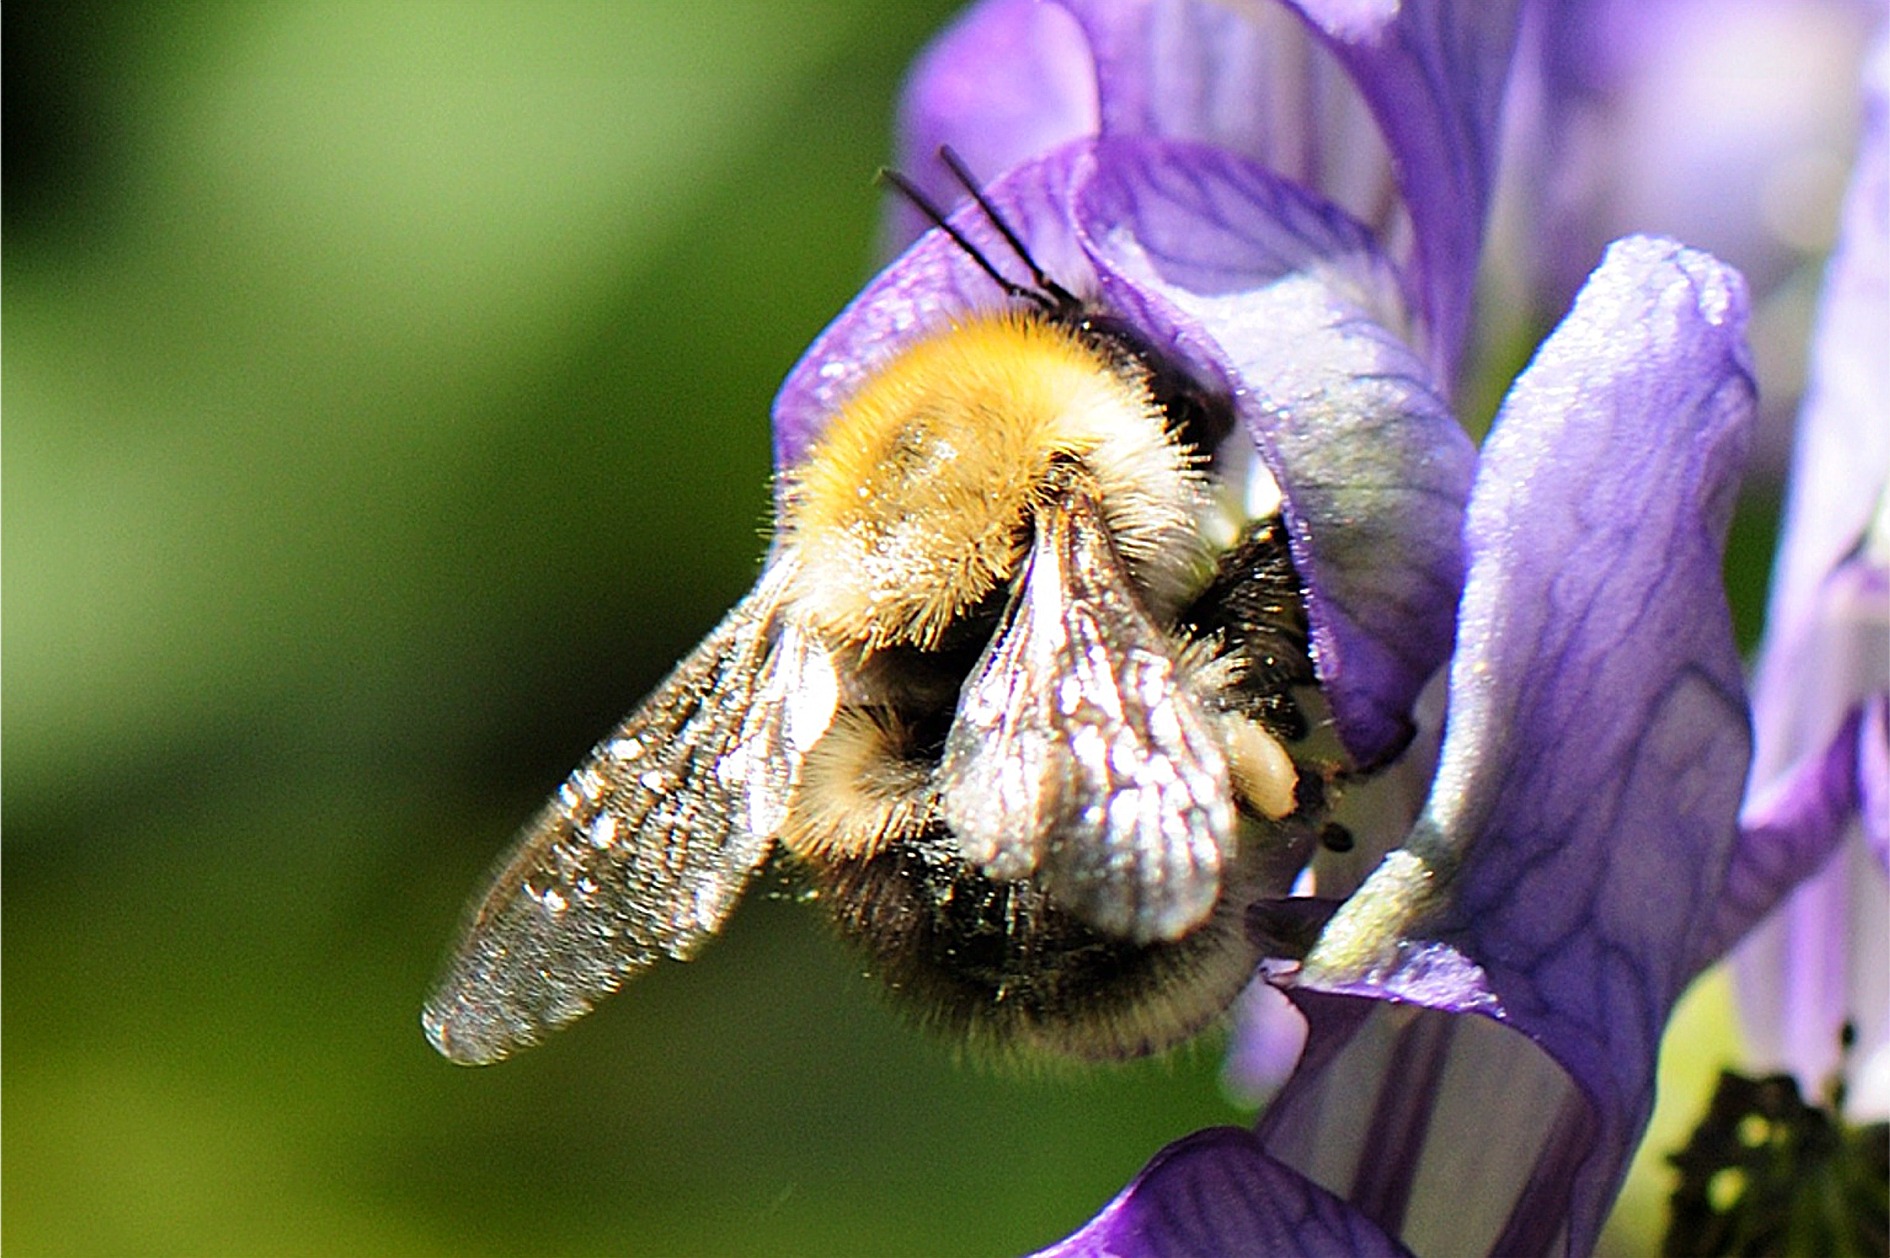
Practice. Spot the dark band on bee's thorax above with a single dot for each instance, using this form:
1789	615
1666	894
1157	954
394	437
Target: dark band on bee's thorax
1201	419
1255	608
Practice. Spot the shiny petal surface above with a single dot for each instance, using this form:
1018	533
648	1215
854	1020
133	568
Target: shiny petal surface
1217	1192
1580	829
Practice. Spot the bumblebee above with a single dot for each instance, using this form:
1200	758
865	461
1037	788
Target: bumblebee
1017	695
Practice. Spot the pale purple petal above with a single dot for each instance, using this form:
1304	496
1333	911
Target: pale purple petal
1433	72
1254	80
1237	78
1274	297
1013	79
1269	1034
1789	831
1457	1135
1583	817
1831	583
1007	81
1873	773
1250	79
1818	962
1217	1193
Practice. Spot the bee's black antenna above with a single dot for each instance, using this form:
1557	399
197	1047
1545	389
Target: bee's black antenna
1063	297
1049	295
926	206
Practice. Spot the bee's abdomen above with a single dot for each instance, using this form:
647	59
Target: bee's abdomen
1001	966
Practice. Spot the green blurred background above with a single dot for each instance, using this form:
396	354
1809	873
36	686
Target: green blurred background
386	395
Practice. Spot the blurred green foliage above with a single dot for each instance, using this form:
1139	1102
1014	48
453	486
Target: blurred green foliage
386	409
386	391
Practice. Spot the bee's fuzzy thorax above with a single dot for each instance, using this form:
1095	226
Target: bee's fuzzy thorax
918	500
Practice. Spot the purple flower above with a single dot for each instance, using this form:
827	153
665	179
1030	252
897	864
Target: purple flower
1485	1010
1819	799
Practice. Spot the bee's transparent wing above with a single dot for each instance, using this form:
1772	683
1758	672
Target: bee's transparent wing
646	847
1080	753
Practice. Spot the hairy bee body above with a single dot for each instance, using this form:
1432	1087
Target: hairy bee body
1022	723
1002	967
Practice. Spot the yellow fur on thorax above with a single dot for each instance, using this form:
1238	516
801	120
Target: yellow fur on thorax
915	502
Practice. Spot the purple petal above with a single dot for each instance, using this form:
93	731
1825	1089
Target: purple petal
1873	780
1011	80
1840	483
1455	1134
1217	1192
1011	74
1235	78
1788	832
1255	80
1433	73
1582	821
1818	963
1269	1034
1283	302
1008	80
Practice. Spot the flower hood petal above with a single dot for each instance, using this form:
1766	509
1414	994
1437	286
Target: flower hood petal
1434	73
1007	81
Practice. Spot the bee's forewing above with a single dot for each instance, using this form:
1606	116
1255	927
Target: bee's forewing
1079	750
641	853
